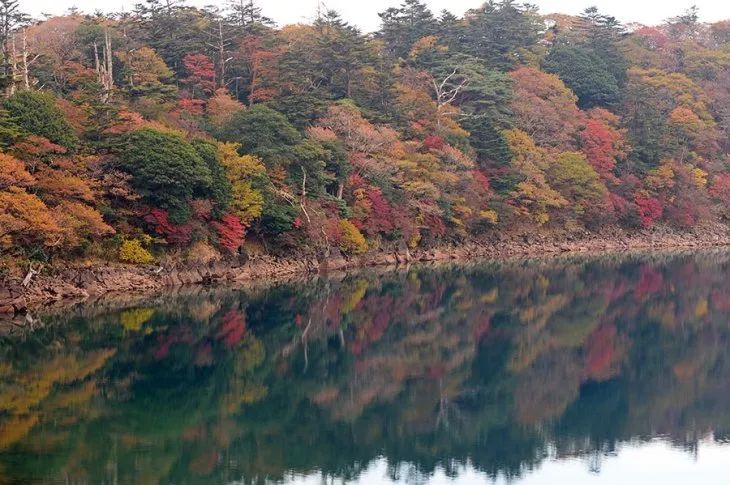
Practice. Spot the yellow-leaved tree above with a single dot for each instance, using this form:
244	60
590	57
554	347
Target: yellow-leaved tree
533	195
246	174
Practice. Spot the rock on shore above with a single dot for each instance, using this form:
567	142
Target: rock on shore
81	283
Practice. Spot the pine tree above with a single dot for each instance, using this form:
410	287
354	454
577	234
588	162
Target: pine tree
496	31
10	19
403	26
247	16
340	52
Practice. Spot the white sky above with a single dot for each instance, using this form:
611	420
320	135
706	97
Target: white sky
363	13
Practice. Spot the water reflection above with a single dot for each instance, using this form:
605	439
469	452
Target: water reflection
486	371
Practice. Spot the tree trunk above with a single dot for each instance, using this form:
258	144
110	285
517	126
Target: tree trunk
26	77
13	67
104	67
221	56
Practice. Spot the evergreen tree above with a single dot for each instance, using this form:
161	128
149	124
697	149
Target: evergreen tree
263	132
247	16
586	74
340	52
403	26
220	187
166	170
602	35
171	29
11	18
36	113
497	31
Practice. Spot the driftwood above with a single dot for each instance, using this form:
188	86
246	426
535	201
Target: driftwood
29	276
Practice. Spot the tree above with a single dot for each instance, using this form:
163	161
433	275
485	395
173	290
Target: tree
603	144
340	53
221	108
402	26
501	32
571	175
9	129
219	190
248	179
131	251
603	35
230	232
247	16
200	79
351	240
166	170
13	173
79	223
25	220
10	19
545	108
468	91
58	46
170	29
532	195
685	25
651	97
263	132
36	113
146	74
586	74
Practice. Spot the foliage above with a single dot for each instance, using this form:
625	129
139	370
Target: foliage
244	172
351	240
572	176
545	108
262	132
200	125
532	195
132	251
161	224
586	74
25	220
230	232
166	170
36	113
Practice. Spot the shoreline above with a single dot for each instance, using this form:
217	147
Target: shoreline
78	284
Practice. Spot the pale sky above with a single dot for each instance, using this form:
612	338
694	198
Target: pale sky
363	13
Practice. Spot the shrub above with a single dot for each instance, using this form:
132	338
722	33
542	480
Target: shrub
132	251
352	241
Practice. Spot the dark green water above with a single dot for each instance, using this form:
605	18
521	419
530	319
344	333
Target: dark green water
583	371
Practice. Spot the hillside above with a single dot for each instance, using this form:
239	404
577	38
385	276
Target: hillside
174	133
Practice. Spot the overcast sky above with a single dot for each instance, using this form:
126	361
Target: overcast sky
363	13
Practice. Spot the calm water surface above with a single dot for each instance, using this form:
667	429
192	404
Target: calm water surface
605	371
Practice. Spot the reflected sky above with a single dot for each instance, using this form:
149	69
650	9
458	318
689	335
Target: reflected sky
632	464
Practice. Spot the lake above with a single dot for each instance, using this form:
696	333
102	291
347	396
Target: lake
605	370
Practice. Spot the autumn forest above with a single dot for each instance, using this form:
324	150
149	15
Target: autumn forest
170	131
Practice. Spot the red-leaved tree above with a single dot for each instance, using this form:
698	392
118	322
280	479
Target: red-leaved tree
230	232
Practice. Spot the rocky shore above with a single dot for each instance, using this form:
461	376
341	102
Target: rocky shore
78	284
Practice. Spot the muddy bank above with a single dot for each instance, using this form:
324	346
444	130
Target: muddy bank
79	284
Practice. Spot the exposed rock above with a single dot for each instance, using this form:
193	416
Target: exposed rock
82	283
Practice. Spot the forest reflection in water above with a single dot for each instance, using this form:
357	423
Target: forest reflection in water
493	370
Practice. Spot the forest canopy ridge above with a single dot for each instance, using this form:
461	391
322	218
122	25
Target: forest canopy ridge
184	132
